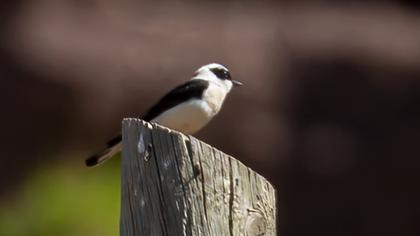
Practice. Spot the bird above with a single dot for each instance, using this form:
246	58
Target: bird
187	108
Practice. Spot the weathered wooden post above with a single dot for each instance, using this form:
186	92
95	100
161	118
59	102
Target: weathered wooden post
174	184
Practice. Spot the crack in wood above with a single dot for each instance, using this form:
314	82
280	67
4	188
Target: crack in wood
187	187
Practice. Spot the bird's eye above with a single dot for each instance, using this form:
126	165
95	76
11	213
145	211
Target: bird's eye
221	73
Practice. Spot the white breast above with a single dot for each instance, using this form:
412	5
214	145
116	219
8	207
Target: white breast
214	96
188	118
191	116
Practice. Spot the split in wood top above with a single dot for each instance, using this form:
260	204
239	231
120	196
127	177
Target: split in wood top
174	184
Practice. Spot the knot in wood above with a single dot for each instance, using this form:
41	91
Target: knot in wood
256	223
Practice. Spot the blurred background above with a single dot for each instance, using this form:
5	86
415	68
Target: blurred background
329	112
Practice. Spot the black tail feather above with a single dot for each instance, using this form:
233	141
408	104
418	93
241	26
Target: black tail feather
114	141
104	155
96	158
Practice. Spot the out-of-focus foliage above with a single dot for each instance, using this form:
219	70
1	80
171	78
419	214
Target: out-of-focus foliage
64	199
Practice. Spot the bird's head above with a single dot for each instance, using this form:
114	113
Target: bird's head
217	74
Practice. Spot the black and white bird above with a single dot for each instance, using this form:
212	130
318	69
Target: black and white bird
187	108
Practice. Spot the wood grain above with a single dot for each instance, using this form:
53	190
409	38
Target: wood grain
174	184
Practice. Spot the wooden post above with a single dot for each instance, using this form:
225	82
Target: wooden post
174	184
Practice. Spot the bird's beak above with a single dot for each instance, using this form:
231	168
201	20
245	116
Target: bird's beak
237	83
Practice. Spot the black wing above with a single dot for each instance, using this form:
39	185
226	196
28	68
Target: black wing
191	89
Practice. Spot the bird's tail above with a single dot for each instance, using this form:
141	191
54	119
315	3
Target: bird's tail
104	155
